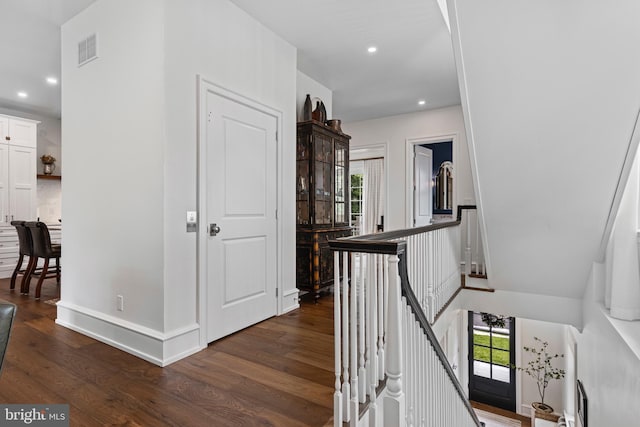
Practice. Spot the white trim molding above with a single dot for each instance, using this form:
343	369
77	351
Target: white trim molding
410	146
363	152
205	86
153	346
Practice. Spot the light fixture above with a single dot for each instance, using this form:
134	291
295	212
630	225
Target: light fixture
52	81
372	49
422	102
22	94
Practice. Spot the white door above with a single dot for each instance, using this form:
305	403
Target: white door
22	183
422	193
241	202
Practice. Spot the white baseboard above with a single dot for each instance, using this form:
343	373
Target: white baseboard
290	300
156	347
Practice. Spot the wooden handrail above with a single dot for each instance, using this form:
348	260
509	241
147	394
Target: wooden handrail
388	242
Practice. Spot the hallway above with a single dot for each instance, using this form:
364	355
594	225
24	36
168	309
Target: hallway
276	373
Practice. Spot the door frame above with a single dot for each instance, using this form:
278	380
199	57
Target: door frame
410	143
203	87
513	372
365	152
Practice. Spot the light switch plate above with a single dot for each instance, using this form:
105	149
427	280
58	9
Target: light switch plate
192	221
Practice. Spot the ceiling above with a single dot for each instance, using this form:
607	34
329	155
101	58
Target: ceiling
414	59
30	48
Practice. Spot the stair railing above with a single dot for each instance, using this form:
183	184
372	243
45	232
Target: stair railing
472	250
387	359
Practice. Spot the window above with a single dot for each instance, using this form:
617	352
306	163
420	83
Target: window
356	201
491	347
356	184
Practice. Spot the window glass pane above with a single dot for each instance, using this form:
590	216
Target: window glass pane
340	184
356	180
500	373
481	369
500	340
339	212
481	337
500	357
481	353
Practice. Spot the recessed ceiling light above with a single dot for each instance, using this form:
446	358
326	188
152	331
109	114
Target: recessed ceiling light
422	102
52	81
23	94
372	49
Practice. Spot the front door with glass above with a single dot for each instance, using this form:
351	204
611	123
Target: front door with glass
491	360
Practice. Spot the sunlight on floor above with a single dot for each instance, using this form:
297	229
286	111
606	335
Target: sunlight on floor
495	420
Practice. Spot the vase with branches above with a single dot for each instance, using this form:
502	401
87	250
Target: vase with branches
541	369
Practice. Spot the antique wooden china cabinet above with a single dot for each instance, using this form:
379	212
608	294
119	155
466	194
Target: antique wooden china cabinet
322	199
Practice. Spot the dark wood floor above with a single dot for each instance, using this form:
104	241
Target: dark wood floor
277	373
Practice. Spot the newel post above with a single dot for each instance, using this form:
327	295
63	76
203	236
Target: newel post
394	408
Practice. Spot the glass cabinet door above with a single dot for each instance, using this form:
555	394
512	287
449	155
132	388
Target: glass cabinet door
340	199
323	181
302	184
322	177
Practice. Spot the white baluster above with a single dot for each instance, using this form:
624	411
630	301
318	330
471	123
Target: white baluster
431	276
373	289
368	325
337	395
373	340
394	400
362	376
346	391
354	343
467	251
381	317
408	365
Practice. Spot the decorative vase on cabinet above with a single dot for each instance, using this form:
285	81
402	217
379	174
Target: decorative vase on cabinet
322	201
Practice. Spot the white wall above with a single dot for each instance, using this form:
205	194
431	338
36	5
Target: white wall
229	48
553	333
306	85
395	131
113	200
528	116
607	364
131	151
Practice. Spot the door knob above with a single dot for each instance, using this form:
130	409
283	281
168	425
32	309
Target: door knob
213	229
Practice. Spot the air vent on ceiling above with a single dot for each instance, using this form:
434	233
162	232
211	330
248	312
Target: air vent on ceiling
87	50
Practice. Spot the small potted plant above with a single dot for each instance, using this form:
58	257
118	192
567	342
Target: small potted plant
541	369
48	163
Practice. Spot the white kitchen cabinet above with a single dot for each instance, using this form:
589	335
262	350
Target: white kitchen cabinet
16	131
4	129
18	141
18	184
22	183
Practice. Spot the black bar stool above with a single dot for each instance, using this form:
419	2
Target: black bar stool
26	249
42	248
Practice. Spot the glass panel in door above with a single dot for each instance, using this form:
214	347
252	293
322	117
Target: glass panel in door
492	347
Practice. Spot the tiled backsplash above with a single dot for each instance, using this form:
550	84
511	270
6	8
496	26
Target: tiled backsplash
49	201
